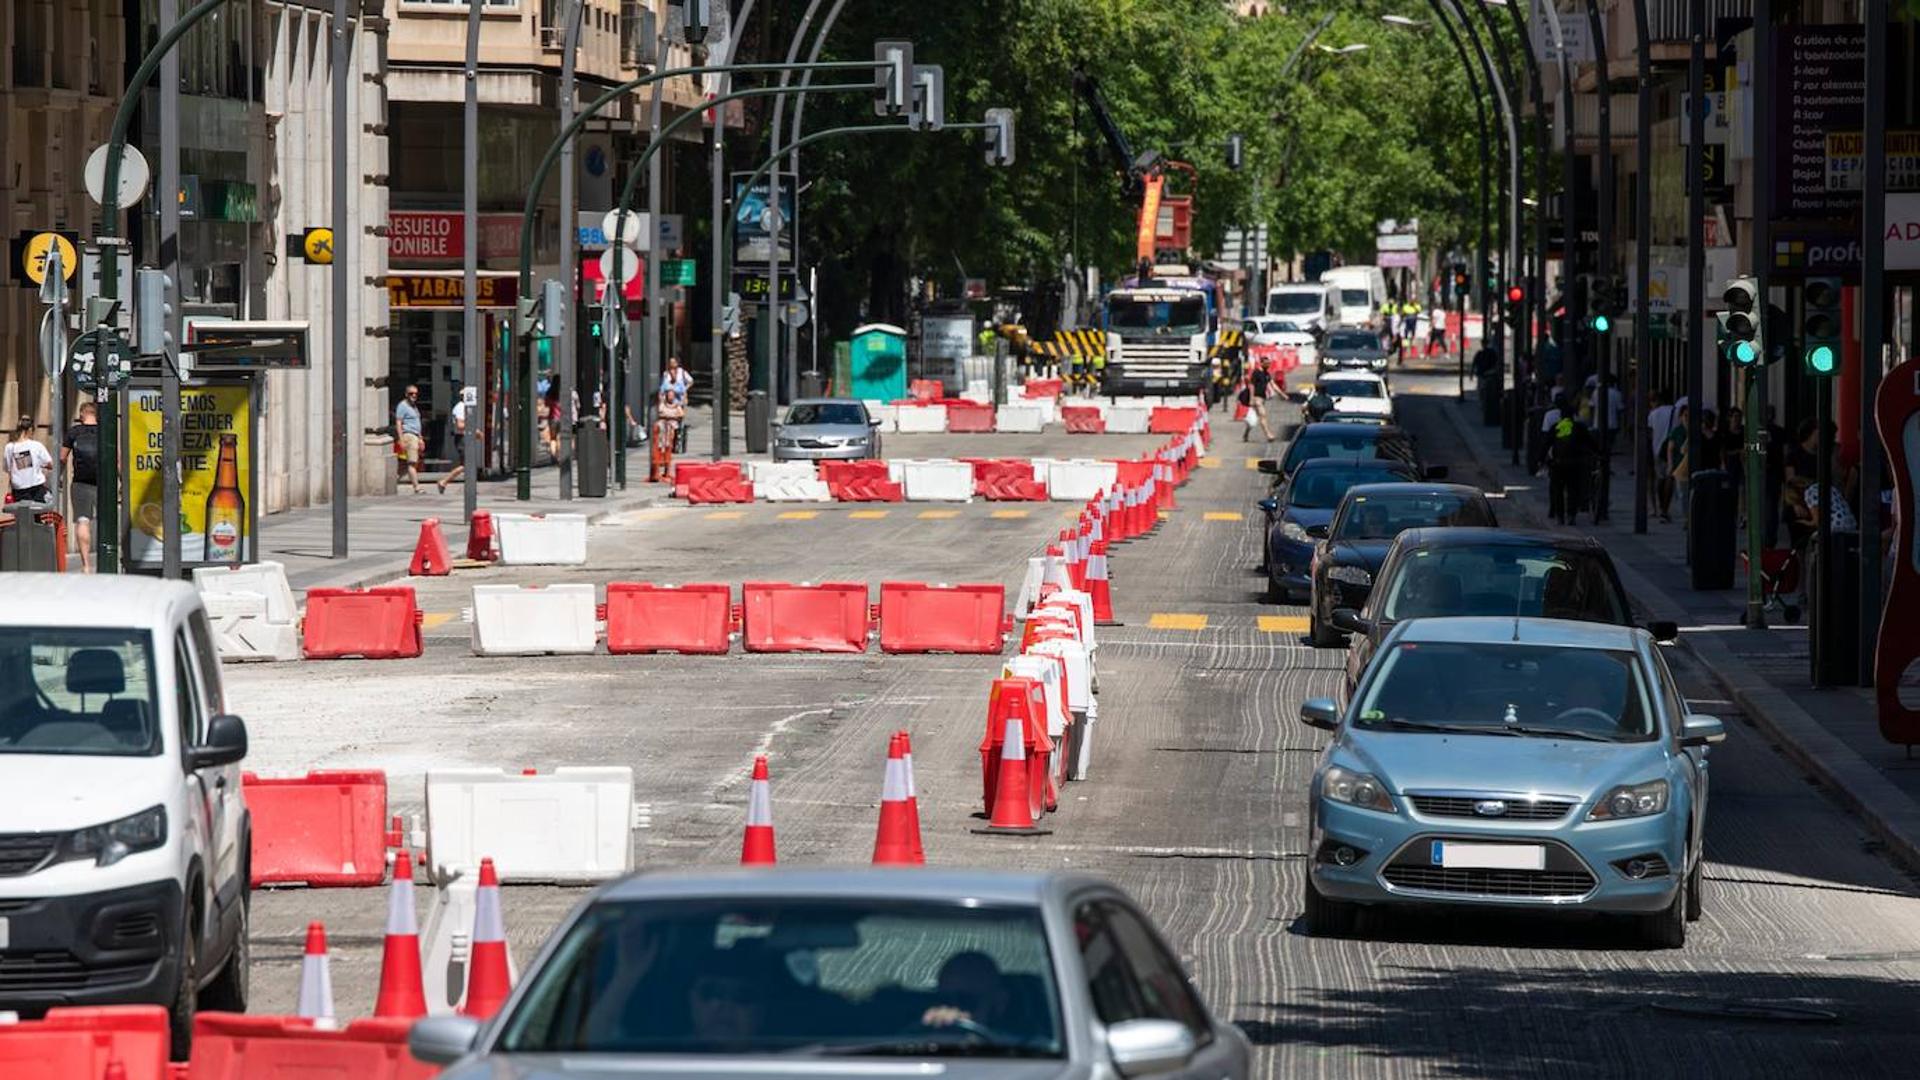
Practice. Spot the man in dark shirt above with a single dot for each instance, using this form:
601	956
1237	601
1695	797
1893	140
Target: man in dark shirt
81	452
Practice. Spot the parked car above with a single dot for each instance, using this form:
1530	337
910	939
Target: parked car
826	429
1356	393
1510	572
1362	530
1268	333
1511	763
124	839
1351	348
1298	515
819	972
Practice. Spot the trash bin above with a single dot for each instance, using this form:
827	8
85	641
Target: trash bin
759	422
1834	626
1713	520
35	541
813	384
590	457
1488	387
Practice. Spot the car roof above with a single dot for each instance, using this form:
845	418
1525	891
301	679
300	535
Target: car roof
1409	487
1527	630
1485	536
128	600
827	401
1366	376
873	883
1337	427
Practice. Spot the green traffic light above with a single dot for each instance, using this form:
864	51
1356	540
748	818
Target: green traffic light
1822	360
1602	324
1743	353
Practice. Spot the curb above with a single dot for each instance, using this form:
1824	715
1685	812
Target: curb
1890	814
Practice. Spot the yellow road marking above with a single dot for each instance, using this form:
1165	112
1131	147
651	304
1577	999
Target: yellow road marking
435	618
726	515
1167	621
1209	462
867	515
1283	624
799	515
1008	514
1222	515
1253	463
937	515
1164	515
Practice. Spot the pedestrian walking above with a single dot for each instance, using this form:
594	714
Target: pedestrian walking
1571	450
1674	466
27	464
1259	389
80	455
458	451
406	430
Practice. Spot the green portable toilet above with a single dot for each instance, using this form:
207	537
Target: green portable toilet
879	362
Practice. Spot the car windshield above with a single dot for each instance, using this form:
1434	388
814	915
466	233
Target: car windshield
1509	689
1133	315
1323	488
1505	579
1383	516
1353	341
828	412
1356	297
1350	388
1353	441
795	976
1277	326
1294	303
77	691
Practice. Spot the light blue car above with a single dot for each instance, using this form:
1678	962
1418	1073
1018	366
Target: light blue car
1512	762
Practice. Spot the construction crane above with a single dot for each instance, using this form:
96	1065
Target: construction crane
1143	178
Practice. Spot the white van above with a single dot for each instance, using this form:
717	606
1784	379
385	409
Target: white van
1314	307
1362	293
123	835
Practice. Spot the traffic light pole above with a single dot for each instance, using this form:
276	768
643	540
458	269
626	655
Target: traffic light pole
1759	510
1642	266
1872	334
1696	254
1603	343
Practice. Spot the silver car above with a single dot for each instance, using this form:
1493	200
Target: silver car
826	429
818	972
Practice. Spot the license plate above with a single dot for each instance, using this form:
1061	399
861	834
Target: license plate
1456	856
1161	384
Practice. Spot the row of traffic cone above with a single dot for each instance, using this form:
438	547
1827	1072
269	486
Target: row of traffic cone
897	840
402	992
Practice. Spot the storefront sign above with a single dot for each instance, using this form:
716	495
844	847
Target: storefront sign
596	279
1821	89
447	290
1846	164
1903	231
441	234
217	512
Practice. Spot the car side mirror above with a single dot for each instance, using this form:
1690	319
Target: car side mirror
1664	630
1270	504
1318	532
1269	466
443	1040
1320	712
1698	730
226	743
1143	1047
1434	472
1345	618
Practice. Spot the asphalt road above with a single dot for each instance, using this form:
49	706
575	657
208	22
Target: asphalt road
1804	964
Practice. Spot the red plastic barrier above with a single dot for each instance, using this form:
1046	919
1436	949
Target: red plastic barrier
1172	420
719	489
917	617
860	481
1083	420
378	624
686	472
779	617
647	618
968	416
1043	388
75	1042
927	390
324	828
229	1046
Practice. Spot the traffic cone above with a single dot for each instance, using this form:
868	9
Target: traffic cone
480	537
1171	484
1070	545
402	989
913	795
895	844
430	557
757	847
316	982
1097	516
1012	813
1055	574
488	977
1098	586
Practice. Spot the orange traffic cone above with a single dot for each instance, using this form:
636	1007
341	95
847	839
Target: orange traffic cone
1171	483
1098	587
757	847
895	844
430	556
488	976
1012	813
913	795
402	989
316	981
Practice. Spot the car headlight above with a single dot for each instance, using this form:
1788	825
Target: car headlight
1350	575
1378	365
786	442
1293	531
108	844
1355	789
1631	801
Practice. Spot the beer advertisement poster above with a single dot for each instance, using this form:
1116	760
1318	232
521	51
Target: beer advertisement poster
216	476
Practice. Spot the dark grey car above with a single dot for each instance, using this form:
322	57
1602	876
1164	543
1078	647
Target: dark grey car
826	429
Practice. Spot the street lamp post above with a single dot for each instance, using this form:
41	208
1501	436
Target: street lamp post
1536	277
1642	263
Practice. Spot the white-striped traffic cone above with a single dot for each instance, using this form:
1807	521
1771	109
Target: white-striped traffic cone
489	977
402	989
316	982
757	846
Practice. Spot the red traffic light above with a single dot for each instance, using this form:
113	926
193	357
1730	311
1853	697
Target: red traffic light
1515	294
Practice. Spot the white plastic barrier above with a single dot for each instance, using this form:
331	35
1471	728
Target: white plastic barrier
937	481
1043	670
787	481
533	620
251	610
760	472
978	390
1019	418
1080	479
921	419
1030	587
1081	681
1082	605
574	824
1128	419
884	413
447	933
1049	408
541	539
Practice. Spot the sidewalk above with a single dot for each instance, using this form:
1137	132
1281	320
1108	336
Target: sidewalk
1832	733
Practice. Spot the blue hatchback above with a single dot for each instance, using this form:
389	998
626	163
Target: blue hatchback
1297	517
1512	762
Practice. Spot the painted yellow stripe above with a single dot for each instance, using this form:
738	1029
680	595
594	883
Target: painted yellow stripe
726	515
1170	621
1222	515
1006	515
937	515
867	515
434	619
1164	515
1209	462
1283	624
1253	463
799	515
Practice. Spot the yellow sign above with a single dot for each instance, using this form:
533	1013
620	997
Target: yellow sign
35	259
216	472
319	246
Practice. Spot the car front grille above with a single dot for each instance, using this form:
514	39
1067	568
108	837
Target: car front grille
23	853
1534	884
52	972
1462	806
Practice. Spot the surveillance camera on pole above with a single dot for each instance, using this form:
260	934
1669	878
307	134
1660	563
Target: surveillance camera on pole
999	141
893	88
929	98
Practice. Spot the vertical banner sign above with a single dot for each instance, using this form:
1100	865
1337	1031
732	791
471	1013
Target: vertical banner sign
1897	414
1822	90
216	474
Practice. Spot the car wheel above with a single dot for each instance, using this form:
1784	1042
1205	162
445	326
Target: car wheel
1318	635
228	991
1696	889
1327	917
1667	928
186	991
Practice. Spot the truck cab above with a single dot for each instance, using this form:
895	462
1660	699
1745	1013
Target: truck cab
124	837
1159	337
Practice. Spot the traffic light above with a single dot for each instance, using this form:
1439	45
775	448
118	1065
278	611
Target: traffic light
153	312
1740	339
929	98
893	88
1236	152
1605	304
1516	294
1820	329
1461	282
999	140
